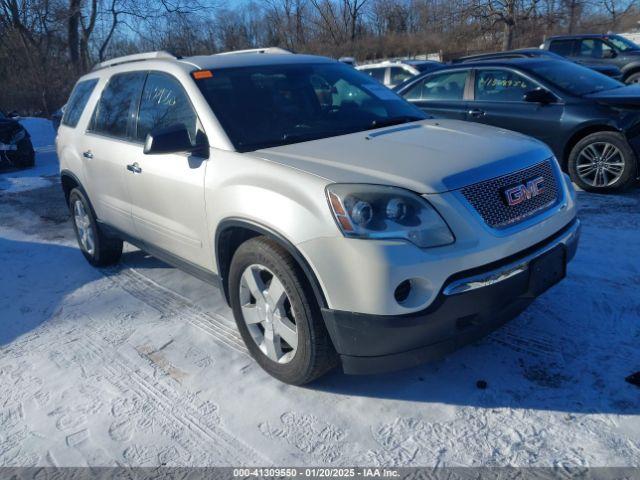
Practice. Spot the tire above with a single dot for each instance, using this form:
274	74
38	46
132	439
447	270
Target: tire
590	170
633	78
27	153
265	261
105	250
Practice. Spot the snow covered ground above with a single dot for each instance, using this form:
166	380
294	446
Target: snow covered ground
142	365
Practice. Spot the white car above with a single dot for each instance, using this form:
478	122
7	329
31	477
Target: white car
343	225
393	72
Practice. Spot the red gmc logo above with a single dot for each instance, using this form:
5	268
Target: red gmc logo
525	191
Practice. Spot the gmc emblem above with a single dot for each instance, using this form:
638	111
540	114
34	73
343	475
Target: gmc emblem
524	191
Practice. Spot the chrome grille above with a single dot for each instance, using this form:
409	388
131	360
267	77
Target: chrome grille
488	198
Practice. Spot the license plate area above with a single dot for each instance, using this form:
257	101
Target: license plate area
547	270
7	147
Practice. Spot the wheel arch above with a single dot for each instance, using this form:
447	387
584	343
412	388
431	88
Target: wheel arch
232	232
629	70
69	181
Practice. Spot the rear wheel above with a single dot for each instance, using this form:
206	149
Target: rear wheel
276	313
633	78
602	162
26	153
98	248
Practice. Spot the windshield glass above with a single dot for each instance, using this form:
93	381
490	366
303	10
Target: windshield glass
573	78
268	106
622	43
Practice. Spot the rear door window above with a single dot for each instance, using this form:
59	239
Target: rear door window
501	86
443	86
113	114
164	103
562	47
77	101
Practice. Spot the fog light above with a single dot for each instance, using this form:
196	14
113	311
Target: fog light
402	291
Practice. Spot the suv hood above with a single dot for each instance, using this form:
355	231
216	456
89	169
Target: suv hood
628	96
430	156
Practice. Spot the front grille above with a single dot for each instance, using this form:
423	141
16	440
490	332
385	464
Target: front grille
489	200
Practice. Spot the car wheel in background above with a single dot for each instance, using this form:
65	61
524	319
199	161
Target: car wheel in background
601	162
633	78
277	315
26	155
98	248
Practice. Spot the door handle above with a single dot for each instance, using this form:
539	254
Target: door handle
134	167
476	113
87	154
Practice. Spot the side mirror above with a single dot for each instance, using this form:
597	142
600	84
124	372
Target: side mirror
609	54
13	115
174	139
539	95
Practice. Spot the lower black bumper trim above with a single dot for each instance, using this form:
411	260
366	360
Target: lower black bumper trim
382	343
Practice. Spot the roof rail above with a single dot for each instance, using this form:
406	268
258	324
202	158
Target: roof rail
134	58
257	50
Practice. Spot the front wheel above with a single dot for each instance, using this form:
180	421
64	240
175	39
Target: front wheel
602	162
98	248
277	315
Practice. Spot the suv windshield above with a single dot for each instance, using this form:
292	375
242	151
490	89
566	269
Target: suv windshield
573	78
622	43
268	106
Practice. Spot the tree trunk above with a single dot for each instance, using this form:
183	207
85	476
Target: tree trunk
509	31
73	25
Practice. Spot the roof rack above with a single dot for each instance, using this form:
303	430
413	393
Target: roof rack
134	58
257	50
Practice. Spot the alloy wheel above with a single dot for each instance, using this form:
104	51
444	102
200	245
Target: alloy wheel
83	226
267	312
600	164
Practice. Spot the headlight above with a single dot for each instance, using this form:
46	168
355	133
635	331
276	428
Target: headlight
19	135
376	211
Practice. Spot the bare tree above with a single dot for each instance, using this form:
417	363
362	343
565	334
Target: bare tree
507	13
617	9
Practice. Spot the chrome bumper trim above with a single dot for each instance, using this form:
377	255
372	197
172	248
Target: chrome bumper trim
507	271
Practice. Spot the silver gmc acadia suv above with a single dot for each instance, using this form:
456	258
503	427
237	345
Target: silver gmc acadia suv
343	224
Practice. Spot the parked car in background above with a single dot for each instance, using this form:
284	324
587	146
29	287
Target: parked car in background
392	73
591	122
343	227
16	150
608	70
591	50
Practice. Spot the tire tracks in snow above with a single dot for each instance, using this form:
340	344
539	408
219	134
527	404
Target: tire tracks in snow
199	433
171	304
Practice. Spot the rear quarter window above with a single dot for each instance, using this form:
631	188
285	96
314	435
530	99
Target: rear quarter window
77	101
377	73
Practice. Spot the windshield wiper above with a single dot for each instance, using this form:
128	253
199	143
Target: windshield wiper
387	122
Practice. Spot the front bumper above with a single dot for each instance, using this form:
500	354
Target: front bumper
470	305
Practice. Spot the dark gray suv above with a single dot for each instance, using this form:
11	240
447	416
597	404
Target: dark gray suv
613	50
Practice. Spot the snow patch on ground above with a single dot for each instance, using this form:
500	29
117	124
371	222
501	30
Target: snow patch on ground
142	365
